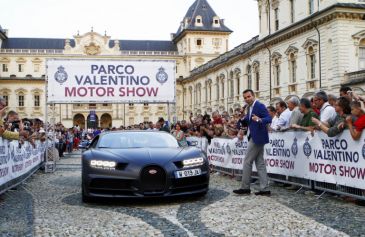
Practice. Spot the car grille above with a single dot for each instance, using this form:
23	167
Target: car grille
114	184
153	179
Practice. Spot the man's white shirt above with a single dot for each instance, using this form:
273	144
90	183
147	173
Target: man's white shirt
283	121
327	113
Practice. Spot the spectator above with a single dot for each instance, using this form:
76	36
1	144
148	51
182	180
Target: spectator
345	91
332	100
3	132
285	114
308	113
180	136
296	116
314	107
327	112
164	126
359	125
151	126
274	117
343	109
69	141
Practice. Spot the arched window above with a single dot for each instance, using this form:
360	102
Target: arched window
312	63
310	46
292	68
256	73
249	77
237	74
362	54
210	90
191	95
292	53
217	88
276	61
222	78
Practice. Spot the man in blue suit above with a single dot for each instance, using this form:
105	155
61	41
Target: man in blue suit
257	118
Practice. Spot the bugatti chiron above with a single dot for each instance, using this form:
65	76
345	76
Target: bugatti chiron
139	164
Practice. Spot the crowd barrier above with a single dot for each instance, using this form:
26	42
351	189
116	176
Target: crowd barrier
18	162
317	161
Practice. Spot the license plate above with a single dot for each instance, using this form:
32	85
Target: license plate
188	173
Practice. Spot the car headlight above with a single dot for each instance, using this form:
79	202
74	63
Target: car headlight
193	162
103	164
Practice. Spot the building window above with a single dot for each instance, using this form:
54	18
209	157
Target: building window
292	12
210	90
6	98
131	105
5	67
216	21
256	72
277	72
217	89
21	100
216	42
292	68
238	83
231	89
276	19
198	21
312	59
20	67
199	42
105	105
222	89
249	77
37	67
362	58
36	101
311	6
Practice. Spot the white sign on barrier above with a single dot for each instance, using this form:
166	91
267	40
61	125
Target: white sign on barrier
106	81
338	160
16	160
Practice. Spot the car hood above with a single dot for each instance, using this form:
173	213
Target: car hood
145	155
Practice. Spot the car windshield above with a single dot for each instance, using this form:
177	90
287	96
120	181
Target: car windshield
127	140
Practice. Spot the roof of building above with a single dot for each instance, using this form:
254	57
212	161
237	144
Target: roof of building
48	43
203	9
145	45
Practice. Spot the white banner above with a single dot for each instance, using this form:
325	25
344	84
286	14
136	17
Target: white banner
17	160
107	81
338	160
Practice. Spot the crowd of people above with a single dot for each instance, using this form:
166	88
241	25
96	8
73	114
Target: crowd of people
12	127
328	113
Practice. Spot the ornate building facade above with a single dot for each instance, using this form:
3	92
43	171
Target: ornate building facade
201	36
303	46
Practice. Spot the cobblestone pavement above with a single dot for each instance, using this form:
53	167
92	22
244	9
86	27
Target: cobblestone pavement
50	205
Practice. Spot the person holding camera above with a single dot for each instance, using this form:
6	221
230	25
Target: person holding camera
4	133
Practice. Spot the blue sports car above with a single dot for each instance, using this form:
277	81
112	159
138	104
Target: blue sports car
139	164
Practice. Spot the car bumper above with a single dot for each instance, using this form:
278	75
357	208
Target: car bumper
119	185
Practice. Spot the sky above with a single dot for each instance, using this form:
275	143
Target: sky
121	19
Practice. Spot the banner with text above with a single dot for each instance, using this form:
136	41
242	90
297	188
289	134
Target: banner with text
107	81
16	160
338	160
